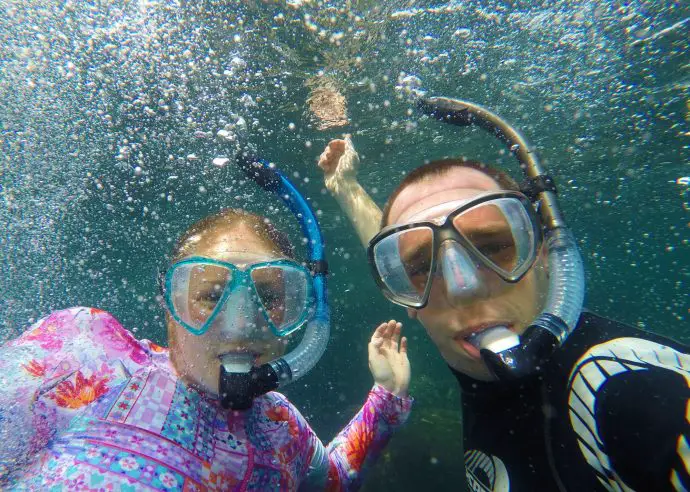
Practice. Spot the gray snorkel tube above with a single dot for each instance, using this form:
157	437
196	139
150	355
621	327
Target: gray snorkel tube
240	383
566	274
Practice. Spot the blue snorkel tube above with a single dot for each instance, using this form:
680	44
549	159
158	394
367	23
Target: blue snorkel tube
238	389
566	273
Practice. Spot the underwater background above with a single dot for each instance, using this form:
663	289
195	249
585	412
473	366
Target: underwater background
109	112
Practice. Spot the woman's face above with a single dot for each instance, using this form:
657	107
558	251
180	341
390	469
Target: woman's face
197	358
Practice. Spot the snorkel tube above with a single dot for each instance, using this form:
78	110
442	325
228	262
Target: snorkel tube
238	387
566	274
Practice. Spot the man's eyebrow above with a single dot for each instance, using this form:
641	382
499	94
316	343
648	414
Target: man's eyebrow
414	252
484	232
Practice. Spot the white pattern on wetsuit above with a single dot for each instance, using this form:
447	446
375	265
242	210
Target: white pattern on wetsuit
592	370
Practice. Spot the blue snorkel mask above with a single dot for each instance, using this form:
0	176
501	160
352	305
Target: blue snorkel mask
276	296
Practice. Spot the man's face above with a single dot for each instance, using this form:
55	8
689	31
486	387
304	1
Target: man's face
499	304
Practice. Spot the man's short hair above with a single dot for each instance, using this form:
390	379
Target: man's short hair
439	168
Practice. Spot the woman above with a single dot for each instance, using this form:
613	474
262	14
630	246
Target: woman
84	405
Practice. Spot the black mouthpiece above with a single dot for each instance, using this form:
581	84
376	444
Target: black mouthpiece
238	389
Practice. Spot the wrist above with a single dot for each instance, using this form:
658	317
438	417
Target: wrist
339	183
400	392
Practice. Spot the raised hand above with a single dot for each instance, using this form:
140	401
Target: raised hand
339	162
388	361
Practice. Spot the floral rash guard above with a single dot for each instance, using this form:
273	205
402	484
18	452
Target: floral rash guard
86	406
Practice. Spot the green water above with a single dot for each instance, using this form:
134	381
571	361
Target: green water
601	88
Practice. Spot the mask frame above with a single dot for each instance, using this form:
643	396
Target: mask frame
446	231
239	276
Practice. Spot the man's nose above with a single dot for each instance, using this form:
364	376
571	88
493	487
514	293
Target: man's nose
461	276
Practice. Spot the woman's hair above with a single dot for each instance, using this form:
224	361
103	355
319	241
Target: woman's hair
230	218
438	168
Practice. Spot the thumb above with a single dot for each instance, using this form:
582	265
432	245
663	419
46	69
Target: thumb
348	143
373	349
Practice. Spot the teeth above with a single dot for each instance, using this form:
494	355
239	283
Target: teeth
496	339
237	362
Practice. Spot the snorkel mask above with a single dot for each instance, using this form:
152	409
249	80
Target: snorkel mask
255	300
506	354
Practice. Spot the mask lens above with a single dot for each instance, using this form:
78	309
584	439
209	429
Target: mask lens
283	291
502	231
196	290
403	262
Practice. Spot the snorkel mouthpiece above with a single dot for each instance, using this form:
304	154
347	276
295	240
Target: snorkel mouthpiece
495	339
240	383
513	357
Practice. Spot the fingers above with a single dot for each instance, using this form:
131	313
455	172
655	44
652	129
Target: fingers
378	337
387	335
394	338
337	146
403	345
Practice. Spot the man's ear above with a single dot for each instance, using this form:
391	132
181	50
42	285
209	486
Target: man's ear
412	313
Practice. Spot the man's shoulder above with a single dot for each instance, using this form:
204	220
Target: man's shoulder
594	330
625	379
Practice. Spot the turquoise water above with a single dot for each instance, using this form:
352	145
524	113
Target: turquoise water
108	111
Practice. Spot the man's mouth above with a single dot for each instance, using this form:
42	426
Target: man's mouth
495	337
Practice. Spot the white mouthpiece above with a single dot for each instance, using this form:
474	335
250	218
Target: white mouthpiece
237	362
496	339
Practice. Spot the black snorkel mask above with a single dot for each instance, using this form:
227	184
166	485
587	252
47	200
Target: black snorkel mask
565	297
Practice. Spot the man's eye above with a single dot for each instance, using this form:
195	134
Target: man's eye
496	247
418	266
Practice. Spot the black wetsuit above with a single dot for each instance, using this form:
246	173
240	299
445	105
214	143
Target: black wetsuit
610	411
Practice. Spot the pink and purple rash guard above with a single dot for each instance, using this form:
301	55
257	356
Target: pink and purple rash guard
86	406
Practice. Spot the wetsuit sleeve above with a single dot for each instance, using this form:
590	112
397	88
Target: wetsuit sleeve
359	444
638	433
50	372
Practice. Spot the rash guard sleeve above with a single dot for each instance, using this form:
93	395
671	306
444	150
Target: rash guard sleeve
53	370
359	444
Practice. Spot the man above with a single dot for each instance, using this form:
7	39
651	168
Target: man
554	397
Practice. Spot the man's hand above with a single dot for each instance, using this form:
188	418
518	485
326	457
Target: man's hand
388	361
339	162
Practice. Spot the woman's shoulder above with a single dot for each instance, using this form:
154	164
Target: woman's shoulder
85	329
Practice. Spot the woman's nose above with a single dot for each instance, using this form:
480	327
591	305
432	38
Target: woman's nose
238	317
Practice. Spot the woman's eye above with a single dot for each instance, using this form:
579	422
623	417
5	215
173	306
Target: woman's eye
211	296
269	296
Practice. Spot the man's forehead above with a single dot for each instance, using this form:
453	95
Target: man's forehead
456	184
